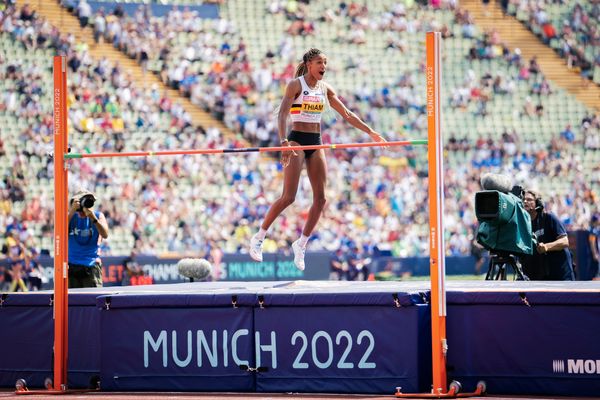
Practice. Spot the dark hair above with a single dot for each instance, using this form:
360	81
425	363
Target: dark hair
309	55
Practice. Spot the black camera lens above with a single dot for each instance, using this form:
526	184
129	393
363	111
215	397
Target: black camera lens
87	202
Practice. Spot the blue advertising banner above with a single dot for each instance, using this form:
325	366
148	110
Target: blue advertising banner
177	348
275	267
534	349
27	336
342	349
419	266
234	267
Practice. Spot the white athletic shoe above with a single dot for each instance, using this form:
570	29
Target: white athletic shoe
256	248
298	255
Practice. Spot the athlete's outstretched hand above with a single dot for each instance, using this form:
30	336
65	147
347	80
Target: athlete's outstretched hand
286	155
376	137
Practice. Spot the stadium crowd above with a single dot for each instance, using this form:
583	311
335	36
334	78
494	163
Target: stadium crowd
571	27
194	204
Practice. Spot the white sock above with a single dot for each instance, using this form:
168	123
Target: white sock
303	240
261	234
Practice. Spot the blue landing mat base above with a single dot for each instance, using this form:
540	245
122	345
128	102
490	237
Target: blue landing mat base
312	336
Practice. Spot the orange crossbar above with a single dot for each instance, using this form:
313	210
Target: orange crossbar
247	149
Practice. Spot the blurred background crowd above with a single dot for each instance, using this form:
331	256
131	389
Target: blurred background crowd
501	114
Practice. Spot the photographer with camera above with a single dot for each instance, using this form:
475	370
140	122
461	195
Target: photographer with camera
87	228
551	259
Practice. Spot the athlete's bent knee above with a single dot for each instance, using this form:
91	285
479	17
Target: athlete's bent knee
320	202
287	200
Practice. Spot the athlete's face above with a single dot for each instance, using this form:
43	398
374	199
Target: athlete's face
317	66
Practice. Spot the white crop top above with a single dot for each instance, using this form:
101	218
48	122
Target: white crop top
310	104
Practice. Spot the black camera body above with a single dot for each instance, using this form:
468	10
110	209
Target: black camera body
86	201
518	191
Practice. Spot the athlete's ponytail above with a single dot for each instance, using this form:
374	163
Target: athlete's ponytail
302	68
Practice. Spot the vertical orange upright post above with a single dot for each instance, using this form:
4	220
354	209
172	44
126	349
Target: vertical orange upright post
437	263
61	302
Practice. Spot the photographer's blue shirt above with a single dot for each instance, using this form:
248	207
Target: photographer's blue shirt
557	265
83	240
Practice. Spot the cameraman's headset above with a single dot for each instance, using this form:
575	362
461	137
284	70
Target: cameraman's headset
539	203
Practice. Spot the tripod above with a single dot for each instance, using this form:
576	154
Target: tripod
499	261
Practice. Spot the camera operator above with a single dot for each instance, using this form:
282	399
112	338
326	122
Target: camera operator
551	260
87	228
594	241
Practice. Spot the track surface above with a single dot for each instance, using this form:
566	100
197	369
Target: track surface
8	394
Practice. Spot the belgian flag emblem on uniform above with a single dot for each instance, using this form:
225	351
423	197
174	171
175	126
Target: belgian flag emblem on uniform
295	108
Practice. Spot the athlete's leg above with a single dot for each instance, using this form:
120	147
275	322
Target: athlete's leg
316	166
317	174
291	178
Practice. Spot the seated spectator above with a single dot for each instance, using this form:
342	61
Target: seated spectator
15	251
539	110
528	108
33	270
567	134
84	12
337	264
27	13
549	32
358	264
524	73
534	67
357	35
